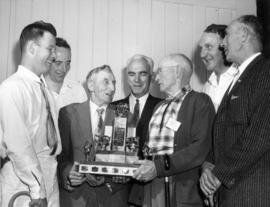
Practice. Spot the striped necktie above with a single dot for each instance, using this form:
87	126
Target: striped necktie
136	113
50	126
100	121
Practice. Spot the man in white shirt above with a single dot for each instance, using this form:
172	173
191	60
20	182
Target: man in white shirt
213	57
79	125
27	119
65	91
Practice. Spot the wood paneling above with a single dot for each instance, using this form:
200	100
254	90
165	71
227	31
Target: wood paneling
111	31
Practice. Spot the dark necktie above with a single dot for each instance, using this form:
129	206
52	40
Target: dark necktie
50	126
136	113
100	121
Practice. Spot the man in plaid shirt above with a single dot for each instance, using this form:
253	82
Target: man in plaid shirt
179	134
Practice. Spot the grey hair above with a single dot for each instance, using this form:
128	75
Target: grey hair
96	70
149	62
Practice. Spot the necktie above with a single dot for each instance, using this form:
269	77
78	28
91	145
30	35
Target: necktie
235	78
136	113
100	121
50	126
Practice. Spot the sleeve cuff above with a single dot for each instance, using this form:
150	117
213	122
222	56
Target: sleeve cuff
159	164
224	178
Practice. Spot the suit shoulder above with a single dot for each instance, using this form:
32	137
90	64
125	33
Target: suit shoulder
72	107
156	99
199	97
120	101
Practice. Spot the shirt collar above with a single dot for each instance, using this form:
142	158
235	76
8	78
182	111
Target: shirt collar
141	99
94	106
231	71
244	64
186	89
25	72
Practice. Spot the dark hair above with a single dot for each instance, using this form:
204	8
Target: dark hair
219	29
254	24
60	42
35	31
97	70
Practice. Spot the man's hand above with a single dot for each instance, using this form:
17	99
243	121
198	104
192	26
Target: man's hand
120	179
147	170
209	201
209	183
75	178
94	180
41	202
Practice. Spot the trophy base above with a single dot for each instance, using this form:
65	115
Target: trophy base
111	168
116	157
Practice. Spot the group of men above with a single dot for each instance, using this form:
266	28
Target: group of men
212	148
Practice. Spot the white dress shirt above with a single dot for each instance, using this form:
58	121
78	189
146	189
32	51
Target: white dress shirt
23	117
70	92
215	89
142	101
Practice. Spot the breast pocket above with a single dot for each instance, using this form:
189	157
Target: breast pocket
237	110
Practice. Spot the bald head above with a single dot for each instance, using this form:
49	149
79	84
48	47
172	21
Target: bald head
174	73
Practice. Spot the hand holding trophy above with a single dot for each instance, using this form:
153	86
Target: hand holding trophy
92	180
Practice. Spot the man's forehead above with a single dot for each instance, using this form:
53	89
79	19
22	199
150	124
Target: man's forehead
104	74
209	38
139	64
234	25
47	37
168	62
62	52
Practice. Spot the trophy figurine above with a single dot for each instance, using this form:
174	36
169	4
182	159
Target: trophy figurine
87	149
114	151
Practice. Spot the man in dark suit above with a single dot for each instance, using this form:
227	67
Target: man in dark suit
179	134
139	74
238	166
78	125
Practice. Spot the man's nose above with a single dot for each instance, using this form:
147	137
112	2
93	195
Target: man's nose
203	52
53	54
64	68
137	78
224	42
112	87
157	77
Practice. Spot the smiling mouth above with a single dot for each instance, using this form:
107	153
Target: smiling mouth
109	94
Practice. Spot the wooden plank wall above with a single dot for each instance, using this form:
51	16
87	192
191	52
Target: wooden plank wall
110	31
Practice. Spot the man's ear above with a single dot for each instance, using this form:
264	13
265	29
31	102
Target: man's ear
31	48
179	72
245	33
90	85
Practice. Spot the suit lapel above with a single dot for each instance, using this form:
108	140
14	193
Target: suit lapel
144	115
110	115
241	79
245	74
84	114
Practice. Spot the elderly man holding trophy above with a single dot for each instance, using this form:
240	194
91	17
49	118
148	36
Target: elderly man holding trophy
96	146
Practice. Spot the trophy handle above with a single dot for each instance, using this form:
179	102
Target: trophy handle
17	195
